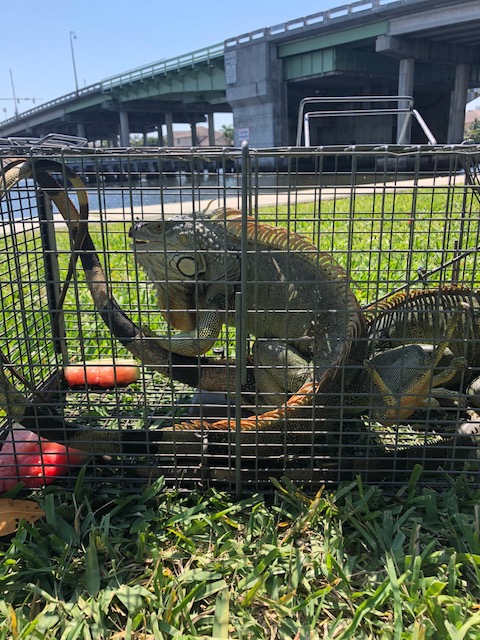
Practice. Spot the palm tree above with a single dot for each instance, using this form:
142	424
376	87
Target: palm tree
227	131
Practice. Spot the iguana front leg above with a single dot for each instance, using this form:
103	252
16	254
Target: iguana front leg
195	342
280	370
403	388
408	377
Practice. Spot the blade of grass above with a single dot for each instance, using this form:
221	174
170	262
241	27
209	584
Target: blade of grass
221	616
397	600
367	606
92	568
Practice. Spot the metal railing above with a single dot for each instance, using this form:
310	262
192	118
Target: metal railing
177	63
69	97
134	75
403	106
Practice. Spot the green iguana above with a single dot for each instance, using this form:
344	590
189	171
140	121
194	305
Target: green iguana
305	319
194	264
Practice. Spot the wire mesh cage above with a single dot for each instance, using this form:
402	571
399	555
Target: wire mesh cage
225	316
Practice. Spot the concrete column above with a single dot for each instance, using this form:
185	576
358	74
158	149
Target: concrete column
160	135
458	101
145	139
257	94
406	74
124	129
211	130
169	123
81	130
193	128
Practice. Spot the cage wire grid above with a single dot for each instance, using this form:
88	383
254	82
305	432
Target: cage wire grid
396	219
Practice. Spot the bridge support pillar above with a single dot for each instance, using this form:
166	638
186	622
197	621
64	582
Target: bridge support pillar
406	73
211	130
169	123
124	129
458	103
193	129
257	94
159	135
81	130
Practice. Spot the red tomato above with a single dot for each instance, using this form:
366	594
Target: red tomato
105	373
24	457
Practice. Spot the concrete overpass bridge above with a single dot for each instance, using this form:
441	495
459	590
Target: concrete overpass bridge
429	49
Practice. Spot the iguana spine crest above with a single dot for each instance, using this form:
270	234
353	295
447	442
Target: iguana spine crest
280	238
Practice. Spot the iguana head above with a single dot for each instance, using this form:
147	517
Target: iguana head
164	249
173	254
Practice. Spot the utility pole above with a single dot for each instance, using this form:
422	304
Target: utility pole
16	101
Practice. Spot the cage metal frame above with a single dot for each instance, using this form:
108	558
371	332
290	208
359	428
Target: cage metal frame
460	163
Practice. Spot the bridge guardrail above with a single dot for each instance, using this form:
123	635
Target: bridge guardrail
163	66
147	71
321	18
92	88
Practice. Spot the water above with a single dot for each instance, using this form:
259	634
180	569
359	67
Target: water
181	187
21	203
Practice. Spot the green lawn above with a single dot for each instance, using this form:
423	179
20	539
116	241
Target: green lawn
356	562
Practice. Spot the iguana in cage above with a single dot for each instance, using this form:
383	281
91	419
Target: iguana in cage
422	316
342	343
301	311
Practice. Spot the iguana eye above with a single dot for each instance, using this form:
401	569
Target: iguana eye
187	266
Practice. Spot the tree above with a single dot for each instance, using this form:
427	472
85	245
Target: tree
472	131
227	131
136	140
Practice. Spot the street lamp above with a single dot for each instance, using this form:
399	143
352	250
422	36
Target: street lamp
14	96
72	38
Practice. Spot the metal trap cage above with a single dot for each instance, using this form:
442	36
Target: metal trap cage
309	313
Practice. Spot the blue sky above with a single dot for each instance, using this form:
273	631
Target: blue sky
113	36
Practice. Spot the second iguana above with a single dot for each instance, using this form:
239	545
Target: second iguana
422	316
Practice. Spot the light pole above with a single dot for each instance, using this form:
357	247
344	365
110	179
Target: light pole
72	38
14	96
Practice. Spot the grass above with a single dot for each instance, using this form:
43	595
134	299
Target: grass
358	562
355	563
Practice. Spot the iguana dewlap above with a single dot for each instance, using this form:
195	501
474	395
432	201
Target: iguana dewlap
300	309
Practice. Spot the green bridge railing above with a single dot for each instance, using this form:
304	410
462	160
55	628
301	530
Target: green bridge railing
148	71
